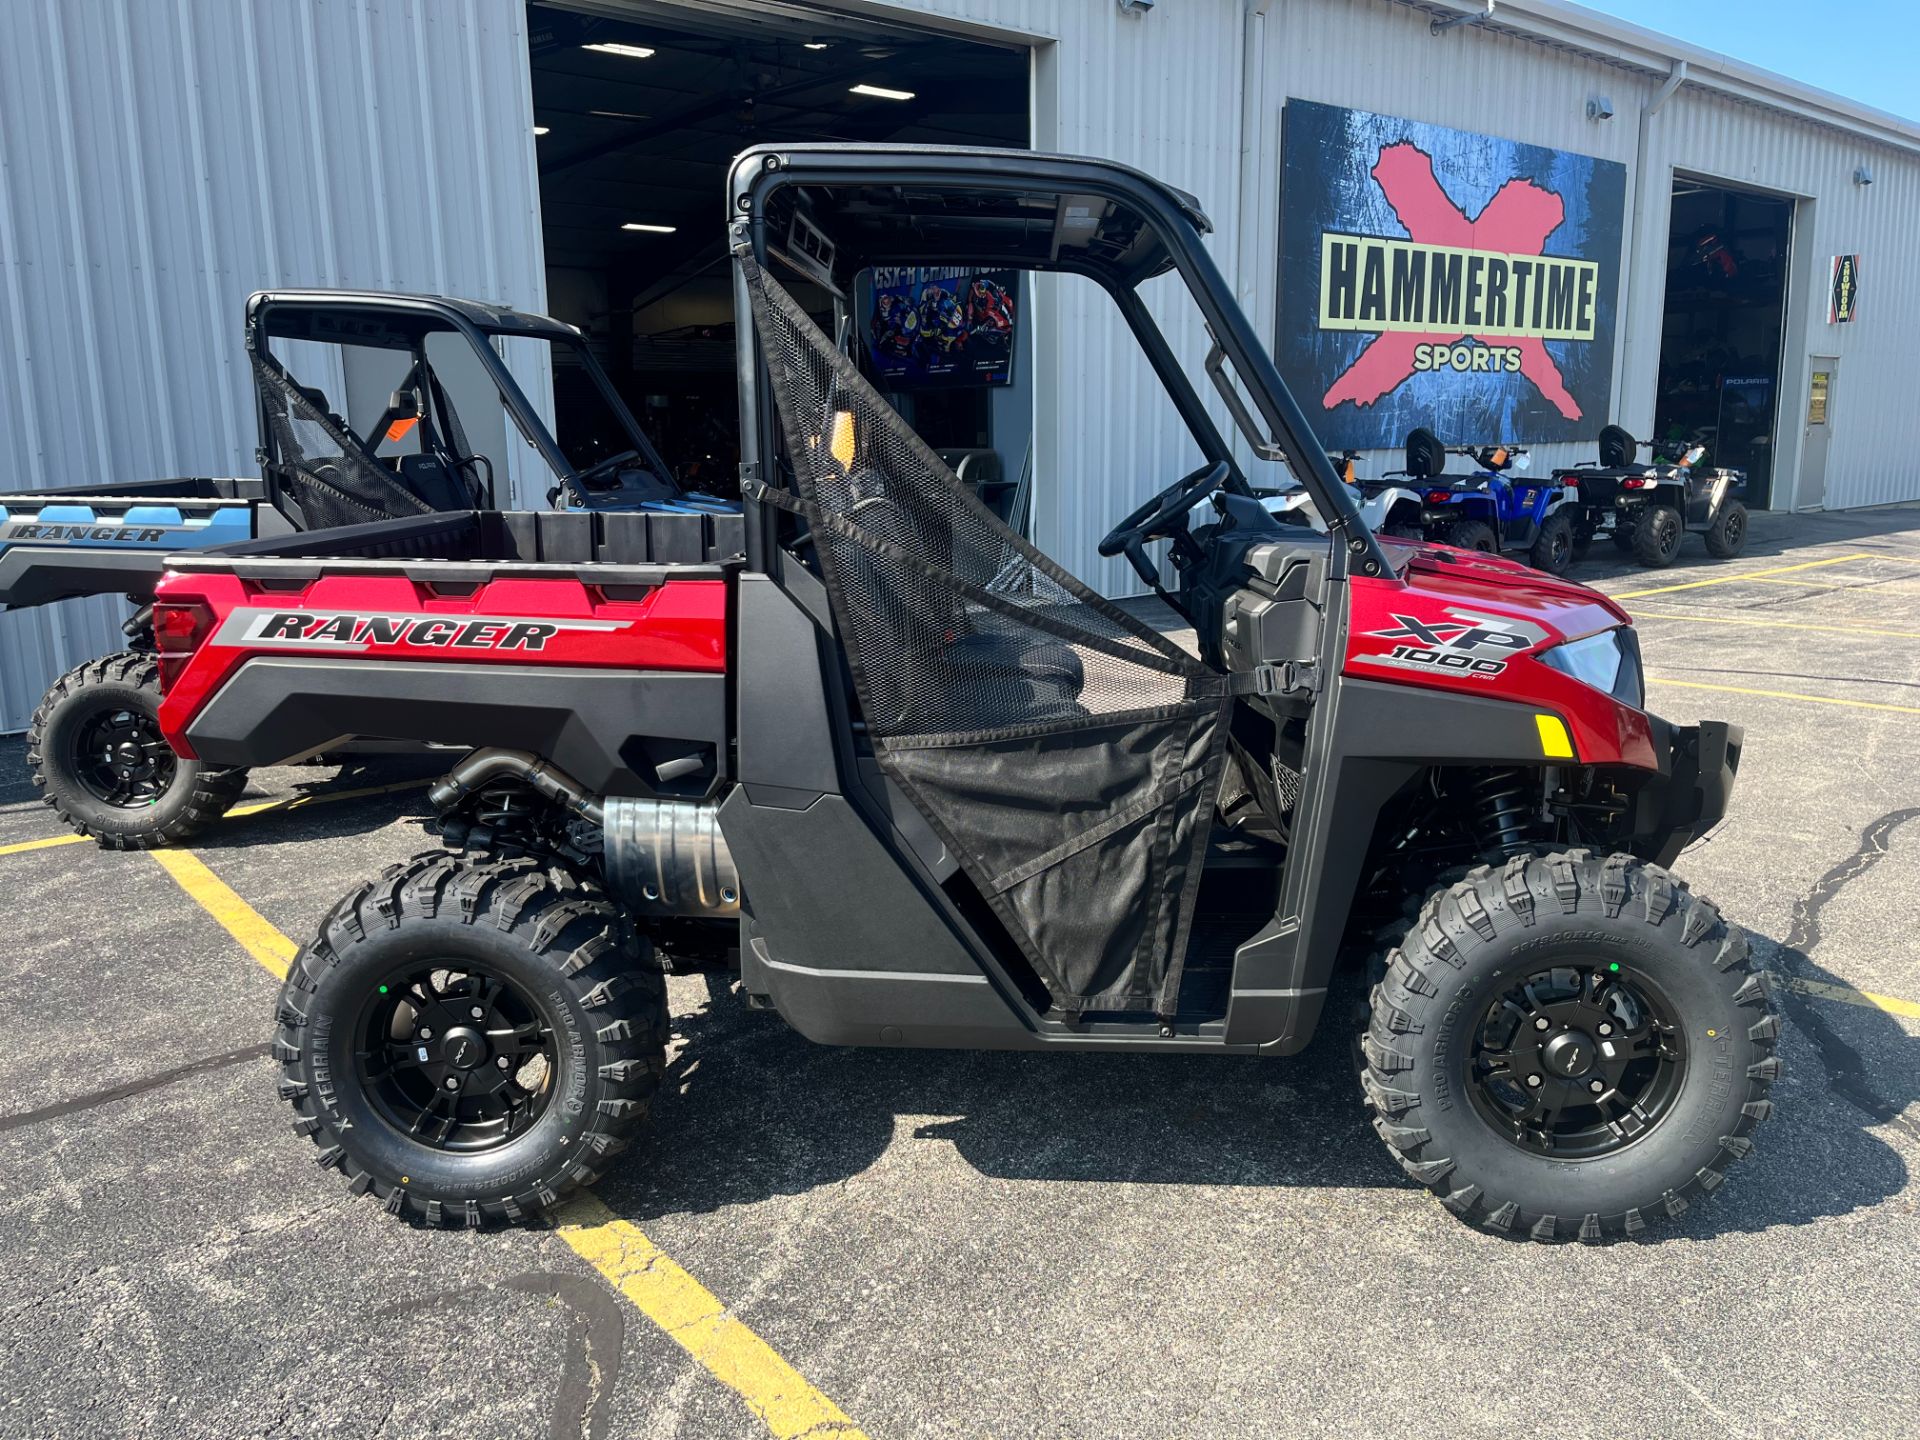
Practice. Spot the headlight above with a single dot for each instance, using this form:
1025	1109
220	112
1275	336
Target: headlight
1609	661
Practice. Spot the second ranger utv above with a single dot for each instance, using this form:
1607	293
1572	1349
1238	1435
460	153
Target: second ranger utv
1047	825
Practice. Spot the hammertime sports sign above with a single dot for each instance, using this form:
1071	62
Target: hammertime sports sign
1440	278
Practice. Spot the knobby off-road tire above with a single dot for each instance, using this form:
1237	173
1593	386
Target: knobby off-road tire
570	995
1553	547
1567	915
1657	535
1727	536
1471	535
95	751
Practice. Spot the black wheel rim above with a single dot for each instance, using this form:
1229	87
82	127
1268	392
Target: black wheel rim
455	1057
1669	533
1577	1062
1736	527
1559	547
121	758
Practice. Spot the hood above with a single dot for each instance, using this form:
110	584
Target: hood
1452	577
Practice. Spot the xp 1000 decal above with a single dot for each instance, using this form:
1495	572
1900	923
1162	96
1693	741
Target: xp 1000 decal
1440	278
1464	644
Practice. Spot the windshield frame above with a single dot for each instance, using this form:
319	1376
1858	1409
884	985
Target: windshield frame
1176	225
276	315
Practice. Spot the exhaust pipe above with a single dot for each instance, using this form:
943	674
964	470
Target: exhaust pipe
545	779
668	857
660	857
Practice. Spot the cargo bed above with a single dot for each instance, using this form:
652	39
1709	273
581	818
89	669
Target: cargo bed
115	538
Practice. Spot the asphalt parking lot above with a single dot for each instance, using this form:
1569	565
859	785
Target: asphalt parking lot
982	1244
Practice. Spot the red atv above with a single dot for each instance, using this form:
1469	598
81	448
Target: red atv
1049	825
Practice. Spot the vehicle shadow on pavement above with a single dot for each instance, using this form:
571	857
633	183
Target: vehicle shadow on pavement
751	1110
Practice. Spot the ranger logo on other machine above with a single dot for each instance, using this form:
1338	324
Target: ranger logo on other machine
351	631
1459	645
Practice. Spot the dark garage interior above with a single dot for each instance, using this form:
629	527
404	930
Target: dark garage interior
1721	333
636	121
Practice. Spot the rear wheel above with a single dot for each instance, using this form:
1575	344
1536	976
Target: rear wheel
1727	536
95	749
1470	535
471	1042
1553	547
1569	1047
1657	535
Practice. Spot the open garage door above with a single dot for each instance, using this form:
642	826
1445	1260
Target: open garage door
639	108
1720	338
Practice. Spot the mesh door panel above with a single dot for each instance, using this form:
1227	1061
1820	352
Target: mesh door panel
1066	752
327	472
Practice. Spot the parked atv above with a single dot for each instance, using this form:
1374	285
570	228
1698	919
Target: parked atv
1050	826
1489	511
1388	506
1649	507
93	747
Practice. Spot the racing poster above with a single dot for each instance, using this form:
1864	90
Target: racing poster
1441	278
940	326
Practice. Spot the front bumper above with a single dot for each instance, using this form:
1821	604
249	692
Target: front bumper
1689	797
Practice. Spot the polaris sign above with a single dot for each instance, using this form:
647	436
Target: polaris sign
1440	278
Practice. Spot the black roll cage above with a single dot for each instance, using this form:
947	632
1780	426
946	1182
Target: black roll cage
474	322
1176	223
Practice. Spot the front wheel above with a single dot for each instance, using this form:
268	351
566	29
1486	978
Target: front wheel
472	1041
1727	536
1569	1047
95	749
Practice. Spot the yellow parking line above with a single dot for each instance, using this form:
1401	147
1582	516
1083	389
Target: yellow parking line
695	1319
21	847
258	807
1847	995
1730	579
1776	624
257	934
692	1316
1788	695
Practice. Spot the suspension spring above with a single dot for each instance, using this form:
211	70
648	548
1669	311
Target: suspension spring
1502	805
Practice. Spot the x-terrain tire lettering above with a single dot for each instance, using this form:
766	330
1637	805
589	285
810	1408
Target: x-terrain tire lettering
1569	1046
472	1041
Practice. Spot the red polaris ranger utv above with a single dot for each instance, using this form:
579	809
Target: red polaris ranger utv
1050	827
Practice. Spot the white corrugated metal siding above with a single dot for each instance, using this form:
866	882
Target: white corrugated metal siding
161	159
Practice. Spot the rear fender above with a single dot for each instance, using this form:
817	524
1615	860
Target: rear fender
592	676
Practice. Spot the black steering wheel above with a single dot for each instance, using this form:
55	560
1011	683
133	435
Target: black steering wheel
1162	518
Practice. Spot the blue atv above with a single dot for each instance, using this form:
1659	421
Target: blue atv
1490	510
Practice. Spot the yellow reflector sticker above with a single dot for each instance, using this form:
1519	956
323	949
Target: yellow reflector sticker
841	445
1555	743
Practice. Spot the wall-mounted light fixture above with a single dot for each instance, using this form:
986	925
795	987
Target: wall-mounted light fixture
1137	7
1863	175
1599	107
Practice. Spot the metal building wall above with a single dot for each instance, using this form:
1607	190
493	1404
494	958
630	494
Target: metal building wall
160	159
